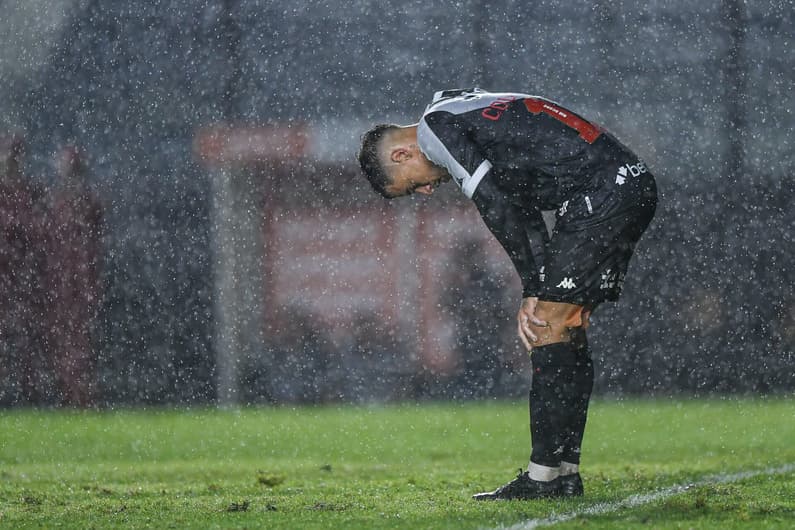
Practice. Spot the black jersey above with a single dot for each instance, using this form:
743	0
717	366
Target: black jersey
516	155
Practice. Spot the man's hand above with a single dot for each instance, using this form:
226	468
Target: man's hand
527	316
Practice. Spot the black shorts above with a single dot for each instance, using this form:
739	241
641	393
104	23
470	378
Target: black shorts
595	234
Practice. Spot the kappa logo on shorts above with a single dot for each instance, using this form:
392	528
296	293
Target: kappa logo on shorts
567	283
626	170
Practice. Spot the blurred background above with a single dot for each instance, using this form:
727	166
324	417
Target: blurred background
183	220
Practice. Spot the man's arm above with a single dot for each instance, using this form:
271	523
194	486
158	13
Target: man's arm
514	228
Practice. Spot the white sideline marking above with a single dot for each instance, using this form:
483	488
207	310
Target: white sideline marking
633	501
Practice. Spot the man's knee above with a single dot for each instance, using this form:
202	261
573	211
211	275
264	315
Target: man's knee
561	319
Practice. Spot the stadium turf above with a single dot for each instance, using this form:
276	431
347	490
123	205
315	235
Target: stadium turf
395	466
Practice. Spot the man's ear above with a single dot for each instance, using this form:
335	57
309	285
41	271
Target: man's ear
399	154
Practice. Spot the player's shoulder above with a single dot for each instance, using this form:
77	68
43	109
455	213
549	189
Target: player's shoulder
464	100
458	101
443	96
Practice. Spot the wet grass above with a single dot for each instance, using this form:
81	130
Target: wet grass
399	466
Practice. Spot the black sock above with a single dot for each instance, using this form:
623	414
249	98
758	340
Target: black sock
553	393
582	385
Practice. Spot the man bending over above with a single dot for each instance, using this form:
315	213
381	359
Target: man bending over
517	155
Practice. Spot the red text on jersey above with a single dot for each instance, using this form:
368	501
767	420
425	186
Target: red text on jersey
497	107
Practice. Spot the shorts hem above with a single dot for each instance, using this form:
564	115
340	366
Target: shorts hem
576	300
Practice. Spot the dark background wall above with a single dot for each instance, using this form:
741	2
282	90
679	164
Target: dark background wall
702	91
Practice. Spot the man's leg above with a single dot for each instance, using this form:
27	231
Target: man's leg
553	399
561	389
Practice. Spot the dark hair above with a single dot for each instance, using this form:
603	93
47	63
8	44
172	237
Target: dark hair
370	161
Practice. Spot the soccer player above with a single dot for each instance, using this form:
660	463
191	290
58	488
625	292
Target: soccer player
516	156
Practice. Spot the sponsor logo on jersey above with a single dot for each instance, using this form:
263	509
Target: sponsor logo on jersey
567	283
630	170
541	274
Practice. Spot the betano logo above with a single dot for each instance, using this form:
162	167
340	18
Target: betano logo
626	170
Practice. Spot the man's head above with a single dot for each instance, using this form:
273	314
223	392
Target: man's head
394	164
370	157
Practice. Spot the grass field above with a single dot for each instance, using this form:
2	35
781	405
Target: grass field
398	466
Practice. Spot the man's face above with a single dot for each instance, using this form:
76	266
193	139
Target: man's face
407	184
411	172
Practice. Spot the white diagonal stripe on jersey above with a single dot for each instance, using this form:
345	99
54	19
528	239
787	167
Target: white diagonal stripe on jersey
471	184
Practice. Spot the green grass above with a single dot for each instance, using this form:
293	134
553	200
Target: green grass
400	466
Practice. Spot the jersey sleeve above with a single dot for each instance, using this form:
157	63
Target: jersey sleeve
446	141
516	229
